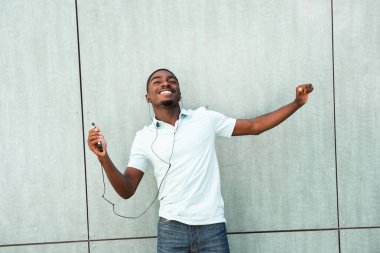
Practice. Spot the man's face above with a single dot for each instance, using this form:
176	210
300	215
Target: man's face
163	89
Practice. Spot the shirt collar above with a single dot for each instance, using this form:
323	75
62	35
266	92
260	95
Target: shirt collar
184	113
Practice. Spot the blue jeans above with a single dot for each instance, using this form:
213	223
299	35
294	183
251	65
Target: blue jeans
176	237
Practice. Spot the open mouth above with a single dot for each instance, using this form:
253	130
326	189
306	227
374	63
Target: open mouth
166	92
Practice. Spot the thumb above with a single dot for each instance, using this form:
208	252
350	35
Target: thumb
300	91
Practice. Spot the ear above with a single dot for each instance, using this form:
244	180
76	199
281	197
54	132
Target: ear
148	100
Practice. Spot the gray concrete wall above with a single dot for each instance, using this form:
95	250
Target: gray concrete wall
309	185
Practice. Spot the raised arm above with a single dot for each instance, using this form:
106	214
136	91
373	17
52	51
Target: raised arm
124	184
267	121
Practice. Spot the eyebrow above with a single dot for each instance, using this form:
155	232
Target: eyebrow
157	77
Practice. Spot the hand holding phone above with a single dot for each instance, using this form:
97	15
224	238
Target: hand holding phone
92	137
100	147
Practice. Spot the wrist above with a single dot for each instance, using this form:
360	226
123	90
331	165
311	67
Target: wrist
102	157
298	104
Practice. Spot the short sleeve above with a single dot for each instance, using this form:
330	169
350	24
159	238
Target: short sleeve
138	158
223	125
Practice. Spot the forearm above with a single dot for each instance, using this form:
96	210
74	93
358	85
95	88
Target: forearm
119	181
267	121
272	119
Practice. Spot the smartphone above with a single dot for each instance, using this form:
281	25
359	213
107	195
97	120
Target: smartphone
100	147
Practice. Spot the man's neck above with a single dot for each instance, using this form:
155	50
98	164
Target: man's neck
167	114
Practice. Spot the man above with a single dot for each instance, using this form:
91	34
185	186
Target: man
180	146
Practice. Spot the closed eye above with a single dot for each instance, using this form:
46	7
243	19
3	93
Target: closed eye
172	80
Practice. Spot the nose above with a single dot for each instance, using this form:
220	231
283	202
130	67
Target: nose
165	84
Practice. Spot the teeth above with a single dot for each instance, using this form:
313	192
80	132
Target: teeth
166	92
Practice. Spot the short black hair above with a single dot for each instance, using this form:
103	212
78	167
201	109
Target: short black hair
147	82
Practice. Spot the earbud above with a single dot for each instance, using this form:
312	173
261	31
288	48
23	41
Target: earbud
157	124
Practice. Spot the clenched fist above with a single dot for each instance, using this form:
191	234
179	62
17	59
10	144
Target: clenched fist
302	93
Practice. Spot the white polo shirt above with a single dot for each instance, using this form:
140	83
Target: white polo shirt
190	192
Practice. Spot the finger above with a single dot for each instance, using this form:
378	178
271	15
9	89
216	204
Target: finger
94	145
93	137
300	90
93	130
94	134
307	86
94	140
310	88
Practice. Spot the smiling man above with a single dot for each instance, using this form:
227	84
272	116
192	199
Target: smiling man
180	146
